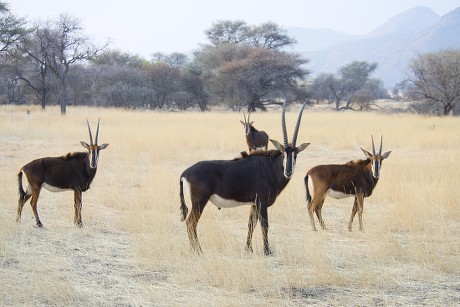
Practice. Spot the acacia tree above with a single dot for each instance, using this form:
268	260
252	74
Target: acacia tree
260	78
267	35
193	84
163	75
320	87
435	77
12	32
117	80
12	28
31	67
245	65
65	46
227	32
350	79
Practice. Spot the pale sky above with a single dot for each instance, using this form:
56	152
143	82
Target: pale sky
143	27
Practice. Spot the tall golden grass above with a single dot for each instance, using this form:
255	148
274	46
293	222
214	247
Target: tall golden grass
133	249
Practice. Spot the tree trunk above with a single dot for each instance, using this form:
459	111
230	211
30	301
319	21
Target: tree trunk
448	109
62	94
63	108
43	99
62	98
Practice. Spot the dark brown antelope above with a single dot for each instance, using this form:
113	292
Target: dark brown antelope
355	178
255	179
254	138
73	171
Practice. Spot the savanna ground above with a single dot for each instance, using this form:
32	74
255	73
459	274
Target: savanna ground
133	249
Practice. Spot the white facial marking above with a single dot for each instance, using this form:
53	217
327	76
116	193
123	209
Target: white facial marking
54	189
227	203
96	158
337	195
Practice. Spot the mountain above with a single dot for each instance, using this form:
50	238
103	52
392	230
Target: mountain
392	45
410	20
317	39
444	34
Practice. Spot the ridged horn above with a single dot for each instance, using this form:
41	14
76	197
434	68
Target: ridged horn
297	126
373	146
381	142
283	124
90	135
97	131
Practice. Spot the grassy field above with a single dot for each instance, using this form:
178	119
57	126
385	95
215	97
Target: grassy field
133	250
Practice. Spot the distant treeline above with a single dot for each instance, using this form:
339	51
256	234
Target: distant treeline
241	66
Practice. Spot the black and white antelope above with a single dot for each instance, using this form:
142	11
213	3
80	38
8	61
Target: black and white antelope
73	171
255	179
254	138
356	178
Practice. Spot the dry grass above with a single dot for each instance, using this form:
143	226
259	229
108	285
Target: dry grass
133	249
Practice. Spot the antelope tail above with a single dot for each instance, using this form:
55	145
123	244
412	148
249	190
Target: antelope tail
183	206
308	191
22	193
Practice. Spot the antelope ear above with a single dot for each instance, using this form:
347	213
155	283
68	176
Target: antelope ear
367	154
84	144
251	123
103	146
302	147
242	122
386	155
277	145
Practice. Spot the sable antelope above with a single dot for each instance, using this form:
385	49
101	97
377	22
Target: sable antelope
254	138
73	171
355	178
255	179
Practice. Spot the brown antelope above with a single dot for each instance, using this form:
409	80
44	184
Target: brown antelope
355	178
254	138
255	180
73	171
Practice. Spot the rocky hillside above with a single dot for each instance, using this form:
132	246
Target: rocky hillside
392	45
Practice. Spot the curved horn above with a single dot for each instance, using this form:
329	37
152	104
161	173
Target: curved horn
90	135
297	126
249	115
97	131
244	117
283	124
373	147
381	142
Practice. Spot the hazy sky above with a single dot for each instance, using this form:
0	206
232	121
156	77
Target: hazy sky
143	27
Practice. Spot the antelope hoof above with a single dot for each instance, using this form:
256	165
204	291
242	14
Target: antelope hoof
268	252
79	224
39	224
248	248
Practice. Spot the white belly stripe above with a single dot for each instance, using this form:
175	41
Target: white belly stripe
337	195
54	189
227	203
